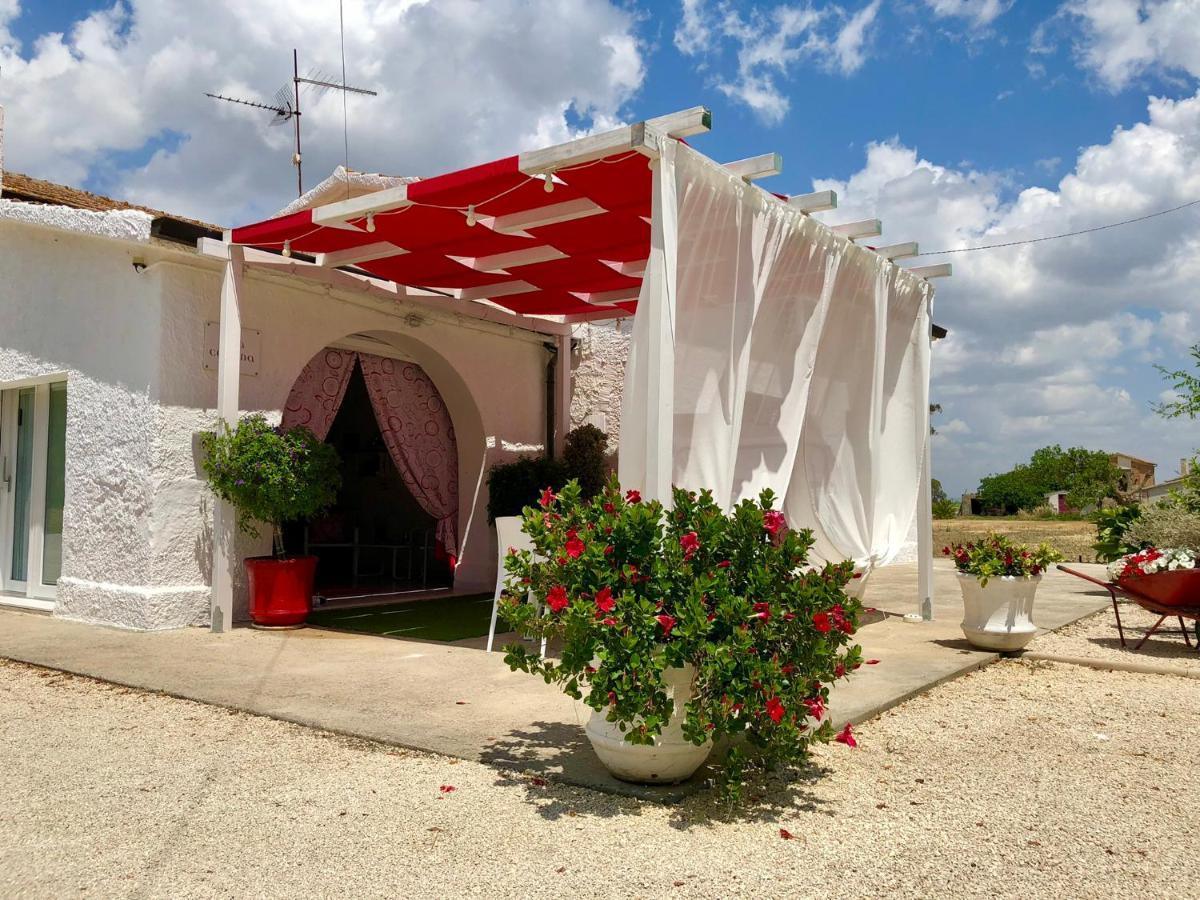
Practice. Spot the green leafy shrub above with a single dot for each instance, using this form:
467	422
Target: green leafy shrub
514	485
997	556
585	456
270	475
1111	527
1165	524
631	590
945	509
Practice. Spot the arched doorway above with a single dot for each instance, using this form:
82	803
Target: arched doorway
394	527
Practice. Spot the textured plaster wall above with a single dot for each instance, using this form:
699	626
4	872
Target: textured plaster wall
599	376
72	304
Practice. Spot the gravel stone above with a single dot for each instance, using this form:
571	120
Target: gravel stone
1096	637
1023	779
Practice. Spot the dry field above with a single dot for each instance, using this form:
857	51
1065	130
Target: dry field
1072	539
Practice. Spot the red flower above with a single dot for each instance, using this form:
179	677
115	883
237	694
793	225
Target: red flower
846	737
839	670
788	669
788	616
557	598
773	521
775	710
690	543
785	834
821	622
608	550
633	497
609	508
604	600
575	547
871	662
816	707
667	623
609	621
762	611
447	789
548	497
724	564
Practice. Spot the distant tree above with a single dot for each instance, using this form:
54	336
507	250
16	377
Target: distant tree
1088	476
934	409
1187	391
937	491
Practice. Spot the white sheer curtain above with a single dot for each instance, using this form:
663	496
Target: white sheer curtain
800	362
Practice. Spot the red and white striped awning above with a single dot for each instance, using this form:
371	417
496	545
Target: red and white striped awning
560	231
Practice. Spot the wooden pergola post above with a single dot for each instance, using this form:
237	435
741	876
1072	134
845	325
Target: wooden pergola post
229	366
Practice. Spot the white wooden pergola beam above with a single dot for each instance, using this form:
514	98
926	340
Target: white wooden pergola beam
604	297
517	223
941	270
353	255
608	143
756	167
600	314
335	215
817	202
499	262
634	268
854	230
488	291
898	251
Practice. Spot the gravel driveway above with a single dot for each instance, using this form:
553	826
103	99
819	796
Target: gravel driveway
1021	779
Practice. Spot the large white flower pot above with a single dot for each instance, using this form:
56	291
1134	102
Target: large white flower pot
670	759
999	616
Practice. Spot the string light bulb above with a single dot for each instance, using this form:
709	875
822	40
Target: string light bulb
549	183
371	222
287	248
471	216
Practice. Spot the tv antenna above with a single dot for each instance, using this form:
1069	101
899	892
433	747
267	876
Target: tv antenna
286	105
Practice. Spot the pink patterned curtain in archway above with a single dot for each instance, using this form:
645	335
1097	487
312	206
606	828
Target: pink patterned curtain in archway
318	392
419	436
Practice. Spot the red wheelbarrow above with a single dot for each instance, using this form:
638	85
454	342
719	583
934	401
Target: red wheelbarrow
1188	609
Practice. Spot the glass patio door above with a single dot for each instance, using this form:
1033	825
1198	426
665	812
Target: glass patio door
32	489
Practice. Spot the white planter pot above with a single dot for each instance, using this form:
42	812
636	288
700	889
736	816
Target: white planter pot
670	759
999	616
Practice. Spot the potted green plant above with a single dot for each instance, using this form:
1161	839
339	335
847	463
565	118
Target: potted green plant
270	475
680	628
999	579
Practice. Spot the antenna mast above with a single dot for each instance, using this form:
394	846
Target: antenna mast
287	106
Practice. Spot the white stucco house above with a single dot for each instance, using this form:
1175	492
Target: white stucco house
107	378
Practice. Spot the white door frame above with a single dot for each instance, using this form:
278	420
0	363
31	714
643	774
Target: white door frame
32	592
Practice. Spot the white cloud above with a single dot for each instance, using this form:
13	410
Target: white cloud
459	82
1122	39
976	13
1052	342
770	42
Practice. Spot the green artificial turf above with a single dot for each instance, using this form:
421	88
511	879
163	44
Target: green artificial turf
444	619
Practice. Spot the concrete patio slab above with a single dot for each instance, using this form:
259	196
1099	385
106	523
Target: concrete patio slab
459	701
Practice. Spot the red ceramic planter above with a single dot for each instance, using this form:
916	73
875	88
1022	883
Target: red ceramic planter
280	589
1178	588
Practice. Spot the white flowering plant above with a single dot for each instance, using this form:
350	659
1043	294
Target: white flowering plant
1151	561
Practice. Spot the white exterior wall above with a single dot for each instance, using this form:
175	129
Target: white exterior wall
137	543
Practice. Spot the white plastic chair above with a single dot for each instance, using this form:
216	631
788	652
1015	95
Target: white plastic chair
508	534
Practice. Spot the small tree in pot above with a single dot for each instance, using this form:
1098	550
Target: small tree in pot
998	579
271	476
684	627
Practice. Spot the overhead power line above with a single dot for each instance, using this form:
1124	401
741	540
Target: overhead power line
1067	234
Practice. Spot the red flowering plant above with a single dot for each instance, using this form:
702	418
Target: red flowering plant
997	556
631	589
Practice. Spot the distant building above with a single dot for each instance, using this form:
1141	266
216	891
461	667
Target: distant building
1162	489
1137	475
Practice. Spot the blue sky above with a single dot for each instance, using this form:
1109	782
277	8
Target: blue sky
959	122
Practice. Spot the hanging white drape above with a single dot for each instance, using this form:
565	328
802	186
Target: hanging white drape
799	361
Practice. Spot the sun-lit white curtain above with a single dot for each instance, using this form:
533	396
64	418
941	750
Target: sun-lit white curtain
798	365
